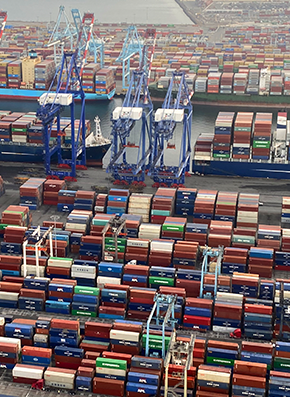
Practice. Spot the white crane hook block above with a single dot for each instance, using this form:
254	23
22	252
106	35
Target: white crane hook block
58	99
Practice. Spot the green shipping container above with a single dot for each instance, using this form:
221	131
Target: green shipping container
155	341
221	156
110	241
81	313
162	281
111	248
244	239
111	363
173	228
220	361
86	290
261	144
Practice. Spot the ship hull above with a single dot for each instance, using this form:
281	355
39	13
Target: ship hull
242	169
14	152
32	95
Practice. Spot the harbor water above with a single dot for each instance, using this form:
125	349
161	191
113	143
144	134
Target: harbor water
106	11
203	121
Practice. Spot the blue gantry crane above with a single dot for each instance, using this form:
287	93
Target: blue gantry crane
136	111
176	109
63	35
68	87
133	45
90	43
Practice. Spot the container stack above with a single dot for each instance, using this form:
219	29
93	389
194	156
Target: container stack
262	136
161	253
196	232
200	84
89	75
109	273
28	374
282	261
96	339
79	221
19	130
149	231
185	199
258	319
261	261
226	207
98	224
210	379
138	250
254	352
173	228
44	73
117	201
14	74
60	377
31	193
240	83
203	146
10	351
113	303
276	85
91	248
242	135
221	353
160	276
204	206
253	82
132	224
31	300
51	189
60	296
279	382
141	303
162	204
125	337
223	135
281	357
101	203
140	204
16	215
285	216
198	314
281	132
185	254
249	375
269	236
190	281
59	267
84	200
84	272
85	301
36	356
28	70
234	260
220	233
66	199
226	86
213	82
228	309
248	210
285	241
3	72
110	248
136	275
105	81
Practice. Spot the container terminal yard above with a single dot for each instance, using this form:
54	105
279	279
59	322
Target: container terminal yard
145	277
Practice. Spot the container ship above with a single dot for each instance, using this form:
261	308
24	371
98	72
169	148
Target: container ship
30	77
243	144
21	139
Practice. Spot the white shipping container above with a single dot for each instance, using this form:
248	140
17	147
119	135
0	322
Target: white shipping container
31	270
101	281
12	341
9	296
213	376
27	371
125	335
110	371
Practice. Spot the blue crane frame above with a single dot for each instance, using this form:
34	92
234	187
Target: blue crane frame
137	96
164	130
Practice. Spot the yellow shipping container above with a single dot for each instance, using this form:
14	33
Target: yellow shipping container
28	65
